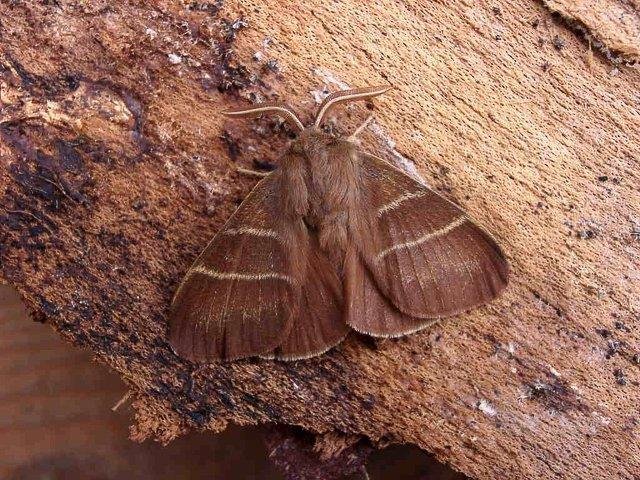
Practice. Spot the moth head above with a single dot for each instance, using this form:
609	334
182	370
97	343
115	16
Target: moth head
286	112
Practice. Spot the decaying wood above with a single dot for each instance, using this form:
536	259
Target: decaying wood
330	456
57	420
116	171
611	26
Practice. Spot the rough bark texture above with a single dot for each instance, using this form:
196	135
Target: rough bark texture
330	456
57	423
116	171
610	25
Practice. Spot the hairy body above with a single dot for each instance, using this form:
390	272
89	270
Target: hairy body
319	185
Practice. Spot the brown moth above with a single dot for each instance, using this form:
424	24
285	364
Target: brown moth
335	239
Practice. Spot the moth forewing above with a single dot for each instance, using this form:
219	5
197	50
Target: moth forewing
368	311
237	298
428	257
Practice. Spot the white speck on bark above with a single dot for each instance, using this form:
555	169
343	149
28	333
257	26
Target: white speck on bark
485	407
329	77
151	33
174	59
403	162
320	95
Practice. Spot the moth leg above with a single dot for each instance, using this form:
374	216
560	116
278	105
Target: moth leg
358	131
252	173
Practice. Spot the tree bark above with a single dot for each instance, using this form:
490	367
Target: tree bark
117	170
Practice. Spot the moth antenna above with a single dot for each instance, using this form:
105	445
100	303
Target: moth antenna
281	109
336	98
353	137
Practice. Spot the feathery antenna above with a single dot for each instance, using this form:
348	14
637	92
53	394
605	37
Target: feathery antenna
281	109
348	96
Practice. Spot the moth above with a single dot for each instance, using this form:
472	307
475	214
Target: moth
333	240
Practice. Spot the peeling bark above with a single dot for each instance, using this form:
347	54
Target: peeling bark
612	26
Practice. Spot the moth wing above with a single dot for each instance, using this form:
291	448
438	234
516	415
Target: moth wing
425	256
367	309
318	325
238	297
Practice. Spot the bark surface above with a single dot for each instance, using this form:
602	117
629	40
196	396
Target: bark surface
117	170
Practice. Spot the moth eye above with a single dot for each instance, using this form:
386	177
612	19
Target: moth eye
329	128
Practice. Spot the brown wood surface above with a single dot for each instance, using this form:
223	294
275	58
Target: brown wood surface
57	423
116	171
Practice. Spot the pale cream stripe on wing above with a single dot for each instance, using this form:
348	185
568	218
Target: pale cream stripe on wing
258	232
241	276
398	201
436	233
